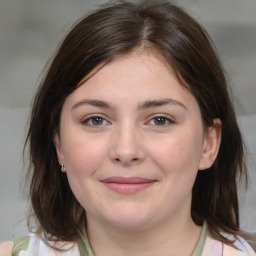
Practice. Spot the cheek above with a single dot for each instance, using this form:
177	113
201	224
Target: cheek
178	153
83	156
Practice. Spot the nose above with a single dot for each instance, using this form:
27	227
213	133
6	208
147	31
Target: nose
127	147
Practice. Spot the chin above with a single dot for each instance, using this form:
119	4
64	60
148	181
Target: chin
131	218
131	224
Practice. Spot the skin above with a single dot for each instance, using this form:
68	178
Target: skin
6	248
132	118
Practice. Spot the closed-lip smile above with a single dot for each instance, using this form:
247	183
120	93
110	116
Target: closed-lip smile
127	185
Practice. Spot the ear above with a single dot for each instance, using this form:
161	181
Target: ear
57	143
212	141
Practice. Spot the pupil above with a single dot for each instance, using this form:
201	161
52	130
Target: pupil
97	120
160	120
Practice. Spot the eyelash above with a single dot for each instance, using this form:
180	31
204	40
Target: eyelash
167	121
89	121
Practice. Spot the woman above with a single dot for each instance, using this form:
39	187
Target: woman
130	141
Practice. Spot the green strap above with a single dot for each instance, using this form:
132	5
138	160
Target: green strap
201	241
84	245
20	243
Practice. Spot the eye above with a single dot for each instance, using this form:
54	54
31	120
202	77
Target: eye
160	121
95	121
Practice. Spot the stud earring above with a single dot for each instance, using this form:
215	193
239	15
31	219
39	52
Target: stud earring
63	169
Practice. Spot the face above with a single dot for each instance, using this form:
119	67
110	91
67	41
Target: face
132	141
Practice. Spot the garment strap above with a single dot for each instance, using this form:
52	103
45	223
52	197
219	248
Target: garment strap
20	243
201	241
84	245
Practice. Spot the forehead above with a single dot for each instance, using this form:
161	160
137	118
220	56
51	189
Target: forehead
143	54
140	75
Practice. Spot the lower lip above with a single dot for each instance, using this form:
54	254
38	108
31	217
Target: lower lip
128	188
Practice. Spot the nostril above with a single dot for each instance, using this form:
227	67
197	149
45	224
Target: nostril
136	159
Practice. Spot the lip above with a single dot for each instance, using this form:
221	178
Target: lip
127	185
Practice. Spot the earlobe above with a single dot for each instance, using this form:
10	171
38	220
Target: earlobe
57	143
211	145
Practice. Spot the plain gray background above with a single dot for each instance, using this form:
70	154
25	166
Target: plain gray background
30	31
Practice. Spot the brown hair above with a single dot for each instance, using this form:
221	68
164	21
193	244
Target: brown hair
104	35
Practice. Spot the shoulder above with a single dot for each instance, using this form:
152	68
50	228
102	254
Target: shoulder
33	245
215	247
6	248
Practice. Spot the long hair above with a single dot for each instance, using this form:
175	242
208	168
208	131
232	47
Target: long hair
112	31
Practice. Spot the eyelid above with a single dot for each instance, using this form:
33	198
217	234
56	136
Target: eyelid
167	117
84	120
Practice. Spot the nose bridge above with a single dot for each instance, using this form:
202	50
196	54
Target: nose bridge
126	144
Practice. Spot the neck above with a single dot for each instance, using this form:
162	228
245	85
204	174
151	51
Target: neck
166	239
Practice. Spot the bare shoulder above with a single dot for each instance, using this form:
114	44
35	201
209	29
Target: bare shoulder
6	248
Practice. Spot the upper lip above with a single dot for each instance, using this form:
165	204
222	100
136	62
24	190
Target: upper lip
127	180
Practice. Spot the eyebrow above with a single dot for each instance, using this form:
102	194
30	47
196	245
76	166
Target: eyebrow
145	105
95	103
159	103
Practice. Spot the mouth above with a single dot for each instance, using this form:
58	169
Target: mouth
125	185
